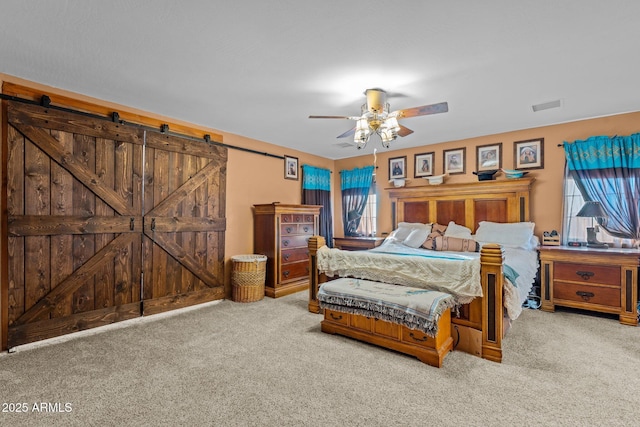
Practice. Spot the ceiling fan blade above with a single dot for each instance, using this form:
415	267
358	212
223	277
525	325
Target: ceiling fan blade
350	132
404	131
424	110
334	117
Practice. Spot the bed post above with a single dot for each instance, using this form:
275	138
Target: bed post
491	259
315	278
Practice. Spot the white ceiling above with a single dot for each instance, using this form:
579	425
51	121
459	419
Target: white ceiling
259	68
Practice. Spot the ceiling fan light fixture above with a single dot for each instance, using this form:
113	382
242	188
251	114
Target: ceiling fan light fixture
361	137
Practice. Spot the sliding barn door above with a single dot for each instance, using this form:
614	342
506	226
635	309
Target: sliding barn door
184	223
94	234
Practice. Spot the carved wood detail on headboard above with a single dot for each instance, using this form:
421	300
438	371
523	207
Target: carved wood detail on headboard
467	203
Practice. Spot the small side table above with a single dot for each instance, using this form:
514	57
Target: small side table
603	280
357	243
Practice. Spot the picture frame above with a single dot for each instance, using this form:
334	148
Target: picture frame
423	164
291	167
528	154
454	161
398	167
489	157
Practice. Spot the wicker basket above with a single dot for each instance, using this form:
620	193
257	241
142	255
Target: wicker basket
247	277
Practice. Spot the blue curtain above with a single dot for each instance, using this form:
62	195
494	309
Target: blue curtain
355	185
316	190
607	170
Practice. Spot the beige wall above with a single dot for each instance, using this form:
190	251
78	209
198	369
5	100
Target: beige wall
546	203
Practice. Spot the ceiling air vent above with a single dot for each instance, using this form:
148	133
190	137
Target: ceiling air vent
344	144
547	105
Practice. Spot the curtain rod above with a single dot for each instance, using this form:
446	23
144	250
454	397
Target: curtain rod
45	101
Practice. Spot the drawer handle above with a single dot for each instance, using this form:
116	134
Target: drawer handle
285	273
586	275
306	229
286	257
585	295
285	243
285	219
334	317
421	339
297	219
289	229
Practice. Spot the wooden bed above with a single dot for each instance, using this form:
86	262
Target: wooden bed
481	325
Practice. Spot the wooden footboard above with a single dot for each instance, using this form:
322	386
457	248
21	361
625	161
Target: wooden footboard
479	328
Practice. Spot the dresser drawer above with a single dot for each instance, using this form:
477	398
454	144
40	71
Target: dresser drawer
293	271
293	255
336	316
588	273
584	293
294	241
417	337
290	229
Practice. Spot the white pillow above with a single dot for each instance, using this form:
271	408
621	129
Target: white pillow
417	237
456	230
513	234
404	229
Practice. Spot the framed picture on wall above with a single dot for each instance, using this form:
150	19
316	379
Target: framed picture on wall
489	157
290	167
454	161
529	154
398	167
423	165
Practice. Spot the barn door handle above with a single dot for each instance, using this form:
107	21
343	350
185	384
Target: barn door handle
586	275
131	224
585	295
153	224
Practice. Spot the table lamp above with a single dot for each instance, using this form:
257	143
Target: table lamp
593	210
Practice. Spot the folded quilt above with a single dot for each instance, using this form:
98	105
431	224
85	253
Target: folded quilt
414	308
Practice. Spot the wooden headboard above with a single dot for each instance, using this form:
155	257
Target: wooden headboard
467	203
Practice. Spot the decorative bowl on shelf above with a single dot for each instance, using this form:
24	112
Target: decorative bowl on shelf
398	182
436	179
486	175
513	173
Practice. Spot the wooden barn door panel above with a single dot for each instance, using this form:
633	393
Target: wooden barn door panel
184	223
74	223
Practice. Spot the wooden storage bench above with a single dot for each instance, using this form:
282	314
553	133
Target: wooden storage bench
408	320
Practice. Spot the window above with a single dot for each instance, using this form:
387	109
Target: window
367	225
575	228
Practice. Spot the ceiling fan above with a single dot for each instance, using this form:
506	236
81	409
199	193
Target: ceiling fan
376	118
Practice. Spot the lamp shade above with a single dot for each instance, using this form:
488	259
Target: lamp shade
593	210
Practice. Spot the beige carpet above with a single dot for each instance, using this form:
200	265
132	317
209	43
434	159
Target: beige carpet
267	363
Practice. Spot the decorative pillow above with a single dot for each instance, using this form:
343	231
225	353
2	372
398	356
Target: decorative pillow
513	234
444	243
438	228
456	230
404	229
417	237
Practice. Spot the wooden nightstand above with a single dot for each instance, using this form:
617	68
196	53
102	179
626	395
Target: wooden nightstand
603	280
357	243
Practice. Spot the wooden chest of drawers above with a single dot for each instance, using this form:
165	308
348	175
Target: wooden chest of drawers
603	280
281	232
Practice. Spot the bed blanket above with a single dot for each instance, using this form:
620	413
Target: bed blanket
454	274
414	308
